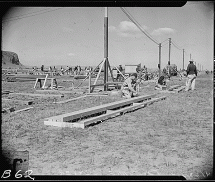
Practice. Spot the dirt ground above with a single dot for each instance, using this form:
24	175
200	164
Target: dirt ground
172	136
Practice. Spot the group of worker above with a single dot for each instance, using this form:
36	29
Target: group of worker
129	86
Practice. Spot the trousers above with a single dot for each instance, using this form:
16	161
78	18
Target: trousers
190	83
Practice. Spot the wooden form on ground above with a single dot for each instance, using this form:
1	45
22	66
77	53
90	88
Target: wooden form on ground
7	110
15	100
25	109
6	92
173	87
179	89
39	80
97	94
97	109
38	95
174	90
108	114
56	91
111	84
65	101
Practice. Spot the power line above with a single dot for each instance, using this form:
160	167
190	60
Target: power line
25	14
136	23
31	15
176	45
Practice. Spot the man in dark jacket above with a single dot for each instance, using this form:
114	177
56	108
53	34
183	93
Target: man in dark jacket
191	76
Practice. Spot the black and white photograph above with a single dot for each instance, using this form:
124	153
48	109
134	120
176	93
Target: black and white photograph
108	91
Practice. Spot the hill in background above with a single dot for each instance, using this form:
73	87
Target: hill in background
10	60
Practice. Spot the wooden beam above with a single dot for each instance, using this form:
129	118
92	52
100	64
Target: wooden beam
180	89
6	110
6	92
25	109
109	113
57	91
86	122
45	81
96	94
37	95
97	109
173	87
99	72
65	101
15	100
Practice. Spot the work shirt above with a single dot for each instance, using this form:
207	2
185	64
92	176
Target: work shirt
161	80
129	84
191	69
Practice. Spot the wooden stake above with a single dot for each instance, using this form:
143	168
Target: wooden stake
45	81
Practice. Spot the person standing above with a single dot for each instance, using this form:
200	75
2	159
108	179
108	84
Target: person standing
191	76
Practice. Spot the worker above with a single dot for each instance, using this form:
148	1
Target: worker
161	82
191	76
119	76
129	86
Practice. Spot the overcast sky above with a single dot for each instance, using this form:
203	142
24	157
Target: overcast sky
75	35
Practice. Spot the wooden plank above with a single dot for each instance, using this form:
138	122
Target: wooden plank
15	100
6	110
126	109
65	101
67	80
97	109
106	94
57	91
38	95
96	94
109	113
6	92
114	83
63	124
25	109
45	81
173	87
180	89
36	83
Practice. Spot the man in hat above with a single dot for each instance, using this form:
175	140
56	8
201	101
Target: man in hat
129	86
191	76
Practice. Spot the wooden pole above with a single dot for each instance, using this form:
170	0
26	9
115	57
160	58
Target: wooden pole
89	82
169	50
159	59
106	49
183	59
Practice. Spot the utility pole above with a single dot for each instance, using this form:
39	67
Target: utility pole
159	65
183	59
106	49
190	57
169	50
